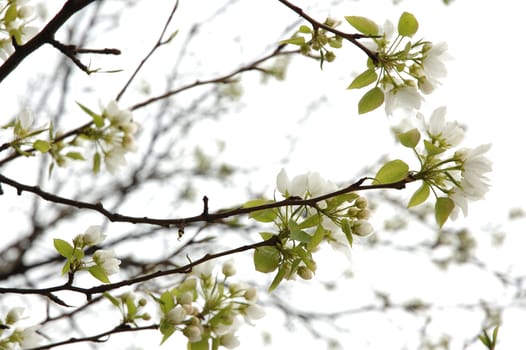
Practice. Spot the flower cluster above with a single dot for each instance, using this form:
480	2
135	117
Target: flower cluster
352	212
307	222
207	309
103	262
11	338
14	18
403	69
459	175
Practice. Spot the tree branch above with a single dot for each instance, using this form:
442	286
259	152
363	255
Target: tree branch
204	216
46	35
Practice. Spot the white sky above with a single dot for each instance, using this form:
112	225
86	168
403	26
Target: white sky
484	90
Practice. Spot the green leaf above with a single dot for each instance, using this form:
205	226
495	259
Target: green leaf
366	78
419	196
317	238
363	25
75	156
166	302
278	278
96	163
409	138
266	235
305	29
300	235
99	273
372	99
66	268
63	248
112	299
311	221
407	24
393	171
443	208
97	118
41	146
298	40
167	329
432	149
266	259
346	228
265	215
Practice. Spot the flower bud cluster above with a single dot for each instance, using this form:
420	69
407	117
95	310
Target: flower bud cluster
206	308
14	17
12	335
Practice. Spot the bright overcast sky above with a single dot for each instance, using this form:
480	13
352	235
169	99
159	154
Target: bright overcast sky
484	90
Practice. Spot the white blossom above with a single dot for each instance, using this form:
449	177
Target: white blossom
116	115
362	228
253	312
107	261
406	98
229	269
433	61
93	236
176	315
444	134
114	159
229	341
474	184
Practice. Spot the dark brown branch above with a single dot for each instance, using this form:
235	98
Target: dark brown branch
203	217
46	35
353	38
98	338
111	286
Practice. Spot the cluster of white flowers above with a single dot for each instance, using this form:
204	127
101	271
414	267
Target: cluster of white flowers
19	337
14	17
206	307
461	176
406	75
105	259
311	185
119	136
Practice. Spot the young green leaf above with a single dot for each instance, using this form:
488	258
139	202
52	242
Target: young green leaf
363	25
96	163
317	238
305	29
112	299
266	215
443	208
41	146
393	171
97	118
63	248
409	138
346	228
99	273
372	99
366	78
419	196
75	155
431	149
298	40
407	24
266	259
282	271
